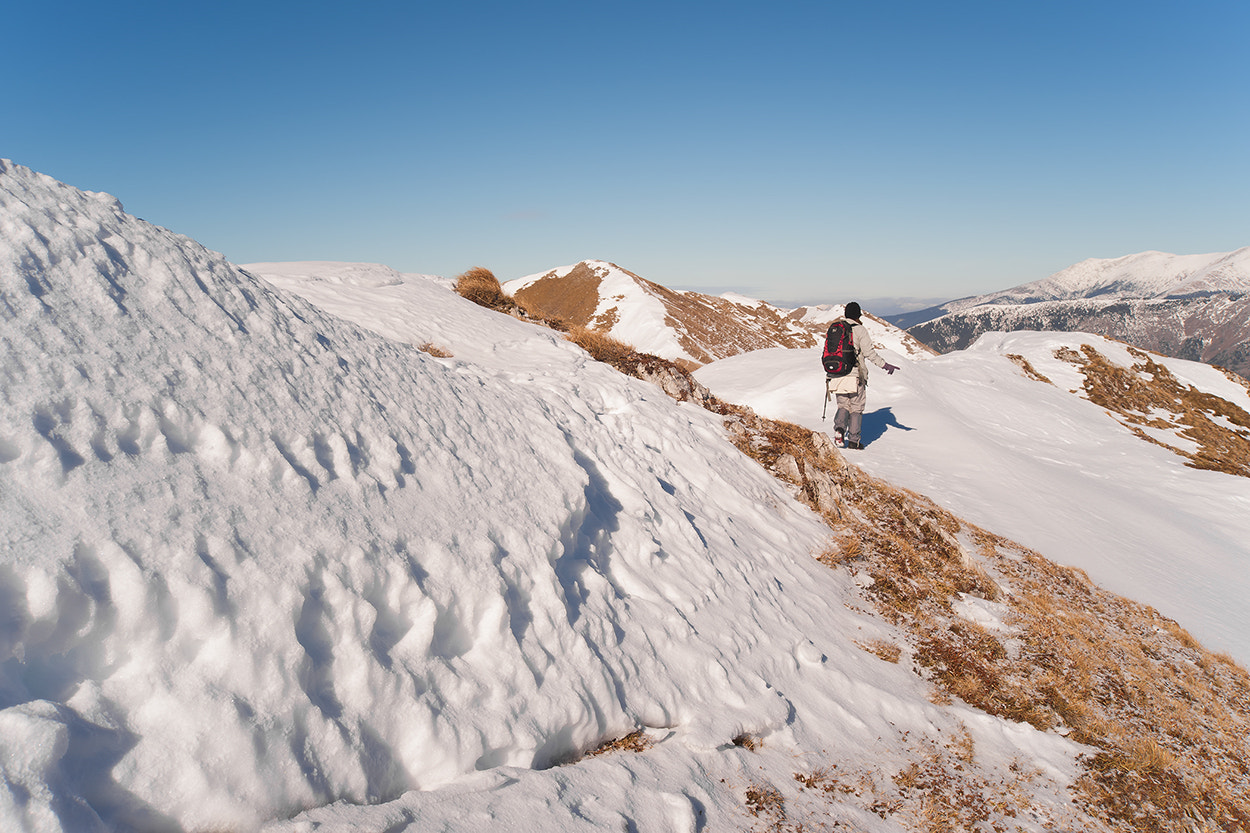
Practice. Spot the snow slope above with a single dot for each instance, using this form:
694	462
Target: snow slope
1043	466
263	567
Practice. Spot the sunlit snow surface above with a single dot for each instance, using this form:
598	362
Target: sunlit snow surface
263	567
1042	465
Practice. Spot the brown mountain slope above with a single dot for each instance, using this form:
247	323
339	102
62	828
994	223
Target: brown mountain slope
683	326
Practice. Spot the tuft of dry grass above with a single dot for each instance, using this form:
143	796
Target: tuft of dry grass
480	286
636	741
601	346
748	741
881	649
765	802
434	350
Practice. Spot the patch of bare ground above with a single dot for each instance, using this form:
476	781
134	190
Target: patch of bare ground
1148	395
707	327
572	297
710	328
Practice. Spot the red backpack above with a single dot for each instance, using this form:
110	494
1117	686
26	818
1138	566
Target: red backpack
839	356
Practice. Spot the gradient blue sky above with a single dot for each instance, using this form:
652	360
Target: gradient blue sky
797	151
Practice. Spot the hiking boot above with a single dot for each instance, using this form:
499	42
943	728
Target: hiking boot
855	444
837	438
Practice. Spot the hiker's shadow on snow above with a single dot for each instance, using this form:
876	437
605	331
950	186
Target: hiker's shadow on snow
878	422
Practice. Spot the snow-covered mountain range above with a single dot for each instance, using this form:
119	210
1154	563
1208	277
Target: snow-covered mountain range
298	547
683	326
1194	307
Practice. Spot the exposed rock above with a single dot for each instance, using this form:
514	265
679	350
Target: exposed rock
789	469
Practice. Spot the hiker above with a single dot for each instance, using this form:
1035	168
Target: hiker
852	388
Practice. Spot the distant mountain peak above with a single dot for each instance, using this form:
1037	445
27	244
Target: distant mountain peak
1137	276
1194	307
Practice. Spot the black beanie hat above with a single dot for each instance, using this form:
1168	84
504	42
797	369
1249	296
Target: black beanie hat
852	311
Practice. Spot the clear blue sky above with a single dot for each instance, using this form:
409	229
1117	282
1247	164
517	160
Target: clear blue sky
805	151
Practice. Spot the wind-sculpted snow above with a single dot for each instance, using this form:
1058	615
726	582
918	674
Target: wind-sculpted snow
239	535
257	560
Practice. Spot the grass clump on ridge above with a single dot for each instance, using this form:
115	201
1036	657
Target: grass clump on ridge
480	286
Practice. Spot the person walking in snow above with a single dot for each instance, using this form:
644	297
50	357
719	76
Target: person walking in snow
852	389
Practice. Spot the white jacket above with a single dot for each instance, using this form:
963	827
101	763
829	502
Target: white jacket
851	382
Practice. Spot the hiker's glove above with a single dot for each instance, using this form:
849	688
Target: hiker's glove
889	368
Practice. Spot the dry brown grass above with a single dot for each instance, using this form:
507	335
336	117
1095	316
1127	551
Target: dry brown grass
1027	366
939	791
1169	720
434	350
746	740
881	649
636	741
766	803
480	286
601	346
1141	394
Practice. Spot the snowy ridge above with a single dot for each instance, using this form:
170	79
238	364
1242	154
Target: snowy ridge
681	326
1209	328
1193	307
363	275
1143	275
261	564
1044	466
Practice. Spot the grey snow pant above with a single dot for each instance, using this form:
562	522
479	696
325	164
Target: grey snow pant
850	415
